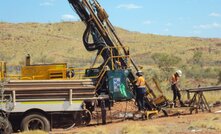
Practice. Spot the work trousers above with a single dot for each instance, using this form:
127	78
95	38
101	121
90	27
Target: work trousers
176	93
140	93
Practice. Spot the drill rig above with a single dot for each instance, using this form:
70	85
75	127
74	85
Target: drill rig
46	96
114	53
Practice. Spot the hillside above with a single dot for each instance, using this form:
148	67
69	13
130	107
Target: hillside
62	42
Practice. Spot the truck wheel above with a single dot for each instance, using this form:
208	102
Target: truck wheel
86	117
5	126
35	122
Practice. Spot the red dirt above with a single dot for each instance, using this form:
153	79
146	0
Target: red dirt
183	123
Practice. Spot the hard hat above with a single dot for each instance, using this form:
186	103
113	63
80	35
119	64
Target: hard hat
179	72
139	73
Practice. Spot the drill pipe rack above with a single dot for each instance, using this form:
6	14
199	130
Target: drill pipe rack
198	101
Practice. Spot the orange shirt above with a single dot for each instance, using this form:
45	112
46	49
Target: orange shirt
140	81
174	79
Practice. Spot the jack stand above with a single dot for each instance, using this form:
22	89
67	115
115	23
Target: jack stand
144	115
199	102
150	114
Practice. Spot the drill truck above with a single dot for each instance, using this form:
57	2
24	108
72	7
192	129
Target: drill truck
47	95
109	46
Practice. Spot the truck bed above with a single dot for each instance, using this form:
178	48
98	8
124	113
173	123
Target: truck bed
50	89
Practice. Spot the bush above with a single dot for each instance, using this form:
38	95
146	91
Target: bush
166	63
219	78
197	58
197	72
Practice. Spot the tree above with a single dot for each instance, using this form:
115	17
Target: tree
166	62
197	58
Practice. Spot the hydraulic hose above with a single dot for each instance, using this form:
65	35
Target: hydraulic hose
87	45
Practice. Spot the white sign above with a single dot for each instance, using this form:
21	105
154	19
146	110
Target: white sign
117	82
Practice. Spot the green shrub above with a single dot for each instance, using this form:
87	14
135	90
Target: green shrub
166	64
165	61
219	78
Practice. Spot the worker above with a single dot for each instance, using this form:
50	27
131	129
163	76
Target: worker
140	90
174	87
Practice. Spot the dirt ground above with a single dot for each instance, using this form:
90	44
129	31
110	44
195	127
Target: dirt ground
178	122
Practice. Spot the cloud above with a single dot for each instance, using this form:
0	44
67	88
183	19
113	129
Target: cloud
181	18
147	22
168	24
129	6
47	3
166	30
196	32
209	26
68	17
214	14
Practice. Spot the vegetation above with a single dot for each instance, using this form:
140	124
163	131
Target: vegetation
165	63
219	78
137	129
160	56
212	123
34	132
128	129
207	123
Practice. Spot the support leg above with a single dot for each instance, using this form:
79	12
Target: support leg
103	112
206	103
192	103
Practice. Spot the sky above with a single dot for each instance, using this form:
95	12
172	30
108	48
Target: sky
189	18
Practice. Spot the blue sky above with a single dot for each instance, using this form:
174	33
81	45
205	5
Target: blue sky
198	18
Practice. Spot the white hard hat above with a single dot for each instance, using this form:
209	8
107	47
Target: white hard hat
179	72
139	73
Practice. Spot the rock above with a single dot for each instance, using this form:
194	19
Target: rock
218	112
217	103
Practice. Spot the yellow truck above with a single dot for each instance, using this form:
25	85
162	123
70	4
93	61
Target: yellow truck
37	71
44	98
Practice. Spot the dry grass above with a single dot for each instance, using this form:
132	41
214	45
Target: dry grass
34	132
62	42
212	123
213	96
95	131
206	123
136	128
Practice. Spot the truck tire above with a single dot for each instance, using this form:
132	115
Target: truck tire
35	122
86	117
5	126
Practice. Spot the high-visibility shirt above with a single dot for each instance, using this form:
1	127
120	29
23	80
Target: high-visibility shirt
174	79
140	81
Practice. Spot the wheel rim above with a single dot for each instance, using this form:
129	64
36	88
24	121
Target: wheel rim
86	117
2	128
35	123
